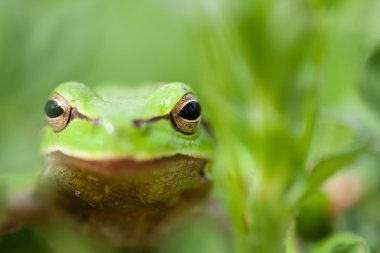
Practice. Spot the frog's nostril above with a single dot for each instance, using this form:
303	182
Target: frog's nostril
138	122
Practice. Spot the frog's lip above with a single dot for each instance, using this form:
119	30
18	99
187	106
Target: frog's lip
123	164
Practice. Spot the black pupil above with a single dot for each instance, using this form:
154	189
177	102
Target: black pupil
191	111
52	109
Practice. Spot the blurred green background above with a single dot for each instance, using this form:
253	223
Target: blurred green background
286	84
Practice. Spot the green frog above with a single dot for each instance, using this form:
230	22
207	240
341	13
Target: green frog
123	163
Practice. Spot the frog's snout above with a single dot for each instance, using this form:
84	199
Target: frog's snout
108	126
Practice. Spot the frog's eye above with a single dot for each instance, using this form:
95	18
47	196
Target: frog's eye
57	112
186	115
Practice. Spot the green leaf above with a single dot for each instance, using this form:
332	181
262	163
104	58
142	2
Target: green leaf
291	242
328	166
369	82
342	243
2	201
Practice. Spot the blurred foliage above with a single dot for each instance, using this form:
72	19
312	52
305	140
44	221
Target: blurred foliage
201	234
314	220
2	201
342	242
278	80
30	243
369	81
283	76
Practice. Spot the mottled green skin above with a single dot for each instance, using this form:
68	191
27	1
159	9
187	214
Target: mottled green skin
85	178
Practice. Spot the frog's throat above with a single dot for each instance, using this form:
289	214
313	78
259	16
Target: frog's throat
124	165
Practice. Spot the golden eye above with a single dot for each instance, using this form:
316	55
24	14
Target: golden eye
57	112
186	115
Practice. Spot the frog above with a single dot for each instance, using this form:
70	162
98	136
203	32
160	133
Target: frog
124	164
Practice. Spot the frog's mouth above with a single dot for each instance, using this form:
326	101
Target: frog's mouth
126	164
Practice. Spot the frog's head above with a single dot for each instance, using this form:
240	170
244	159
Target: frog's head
112	123
113	130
